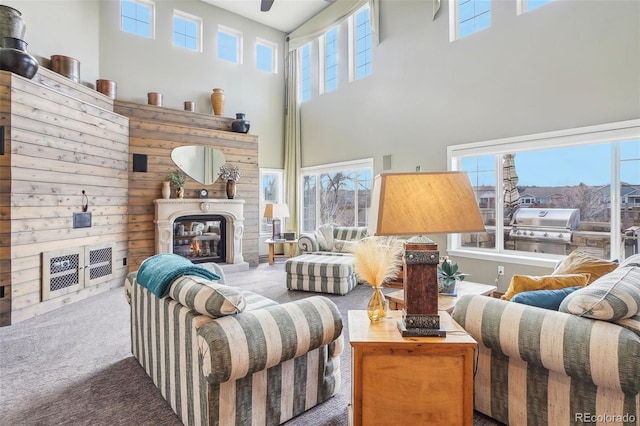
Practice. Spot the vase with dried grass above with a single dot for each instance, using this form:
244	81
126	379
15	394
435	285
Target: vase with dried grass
376	261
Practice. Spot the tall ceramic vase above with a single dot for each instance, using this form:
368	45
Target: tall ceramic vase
166	189
231	189
377	307
217	101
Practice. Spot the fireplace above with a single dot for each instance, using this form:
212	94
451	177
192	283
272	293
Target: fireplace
200	238
203	231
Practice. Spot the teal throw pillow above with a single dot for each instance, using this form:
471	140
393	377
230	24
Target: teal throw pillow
547	299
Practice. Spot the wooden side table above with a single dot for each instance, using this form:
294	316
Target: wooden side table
412	380
272	243
445	303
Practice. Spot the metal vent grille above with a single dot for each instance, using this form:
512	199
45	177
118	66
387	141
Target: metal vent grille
100	262
64	271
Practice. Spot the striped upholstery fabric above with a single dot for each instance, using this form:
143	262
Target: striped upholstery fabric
541	367
176	345
207	297
321	273
611	297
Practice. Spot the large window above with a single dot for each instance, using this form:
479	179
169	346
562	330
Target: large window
331	60
361	44
137	17
594	171
271	192
229	45
305	73
338	193
186	31
468	17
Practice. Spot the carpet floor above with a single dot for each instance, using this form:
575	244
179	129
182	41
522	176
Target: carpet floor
73	366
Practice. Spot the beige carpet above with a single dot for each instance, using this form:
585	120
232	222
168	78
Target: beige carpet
73	366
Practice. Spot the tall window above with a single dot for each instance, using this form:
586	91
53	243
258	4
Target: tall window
305	73
338	193
266	56
229	45
137	17
594	171
271	191
331	60
186	31
361	44
468	17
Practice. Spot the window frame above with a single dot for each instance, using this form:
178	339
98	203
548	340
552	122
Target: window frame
454	24
353	43
604	133
265	224
353	165
190	18
239	48
522	6
323	60
152	17
274	54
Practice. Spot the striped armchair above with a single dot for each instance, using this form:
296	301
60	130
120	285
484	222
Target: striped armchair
542	367
261	366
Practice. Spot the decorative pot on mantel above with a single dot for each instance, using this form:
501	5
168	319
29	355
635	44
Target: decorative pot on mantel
217	101
14	58
240	124
180	192
231	189
11	23
166	189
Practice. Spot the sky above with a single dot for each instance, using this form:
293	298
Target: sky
589	164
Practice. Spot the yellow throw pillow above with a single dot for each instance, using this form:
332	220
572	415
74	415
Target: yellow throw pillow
520	283
580	263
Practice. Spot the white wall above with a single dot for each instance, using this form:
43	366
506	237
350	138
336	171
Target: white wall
564	65
567	64
90	32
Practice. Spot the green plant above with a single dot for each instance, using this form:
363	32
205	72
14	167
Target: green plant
177	178
448	271
230	173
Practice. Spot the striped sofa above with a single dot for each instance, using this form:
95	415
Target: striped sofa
262	366
325	264
543	367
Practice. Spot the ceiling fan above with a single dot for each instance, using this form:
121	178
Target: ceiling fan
265	5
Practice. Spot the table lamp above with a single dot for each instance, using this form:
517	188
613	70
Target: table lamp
416	204
276	212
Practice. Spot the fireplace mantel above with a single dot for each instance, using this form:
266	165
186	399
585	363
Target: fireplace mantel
168	210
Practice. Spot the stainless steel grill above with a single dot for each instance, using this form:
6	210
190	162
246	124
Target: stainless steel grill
544	230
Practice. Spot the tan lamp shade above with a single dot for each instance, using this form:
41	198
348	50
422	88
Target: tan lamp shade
420	203
276	211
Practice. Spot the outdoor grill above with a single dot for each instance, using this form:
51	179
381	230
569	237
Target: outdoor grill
544	230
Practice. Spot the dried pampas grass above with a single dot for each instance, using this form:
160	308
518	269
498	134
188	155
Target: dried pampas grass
377	259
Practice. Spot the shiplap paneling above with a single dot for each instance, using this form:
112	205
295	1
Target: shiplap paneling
60	138
155	131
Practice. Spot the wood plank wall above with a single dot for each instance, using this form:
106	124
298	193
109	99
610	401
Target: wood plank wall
155	131
60	138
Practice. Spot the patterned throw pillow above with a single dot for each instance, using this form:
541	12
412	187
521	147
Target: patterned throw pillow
520	283
578	262
207	297
611	297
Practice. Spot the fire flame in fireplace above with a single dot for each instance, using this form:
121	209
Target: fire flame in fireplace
195	248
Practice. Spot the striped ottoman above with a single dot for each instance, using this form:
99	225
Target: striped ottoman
321	273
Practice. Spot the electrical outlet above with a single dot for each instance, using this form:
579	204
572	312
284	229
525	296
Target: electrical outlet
500	270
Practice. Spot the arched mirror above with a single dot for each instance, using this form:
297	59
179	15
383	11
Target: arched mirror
201	163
